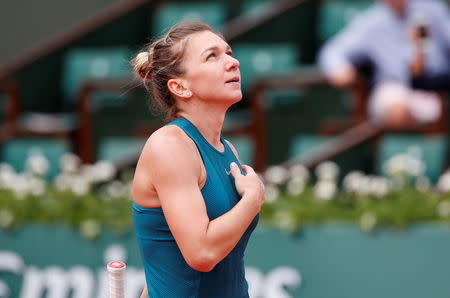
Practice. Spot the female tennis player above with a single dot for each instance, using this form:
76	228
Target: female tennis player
194	205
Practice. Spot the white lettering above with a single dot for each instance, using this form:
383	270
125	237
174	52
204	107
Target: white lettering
273	285
79	281
57	282
134	282
103	284
9	262
32	283
280	279
82	282
4	289
255	280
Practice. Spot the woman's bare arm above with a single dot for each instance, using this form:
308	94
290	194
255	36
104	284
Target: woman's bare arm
175	168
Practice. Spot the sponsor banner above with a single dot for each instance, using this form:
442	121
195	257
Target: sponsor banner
322	261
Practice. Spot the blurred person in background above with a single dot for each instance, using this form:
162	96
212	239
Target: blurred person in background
406	44
194	206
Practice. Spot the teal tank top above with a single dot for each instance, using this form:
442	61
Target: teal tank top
167	273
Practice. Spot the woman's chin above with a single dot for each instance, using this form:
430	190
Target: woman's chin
236	99
233	97
238	96
228	98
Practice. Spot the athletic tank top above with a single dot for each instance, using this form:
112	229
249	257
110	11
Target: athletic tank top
167	273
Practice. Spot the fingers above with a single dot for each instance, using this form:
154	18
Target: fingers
248	169
234	169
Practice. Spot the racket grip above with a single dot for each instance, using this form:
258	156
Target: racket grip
116	273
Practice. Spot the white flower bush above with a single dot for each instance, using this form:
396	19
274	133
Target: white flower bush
37	186
104	171
20	187
325	189
327	174
396	192
443	184
378	186
276	175
327	170
271	193
90	228
74	177
367	222
80	179
30	182
37	163
76	191
70	163
293	196
352	182
296	186
7	175
360	184
404	165
62	182
423	184
6	218
299	172
363	189
285	221
443	209
114	190
79	185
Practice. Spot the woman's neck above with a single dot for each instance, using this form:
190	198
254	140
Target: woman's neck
208	120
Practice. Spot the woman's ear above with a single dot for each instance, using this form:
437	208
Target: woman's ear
177	88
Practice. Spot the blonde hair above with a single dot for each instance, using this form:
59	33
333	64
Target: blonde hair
162	61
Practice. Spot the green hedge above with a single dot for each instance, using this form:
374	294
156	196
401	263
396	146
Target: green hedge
91	212
91	197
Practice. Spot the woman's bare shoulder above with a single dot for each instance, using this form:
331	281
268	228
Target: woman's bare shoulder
169	143
169	135
167	153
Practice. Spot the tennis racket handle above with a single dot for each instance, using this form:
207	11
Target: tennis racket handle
116	272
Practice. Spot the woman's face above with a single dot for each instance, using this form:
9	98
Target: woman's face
211	72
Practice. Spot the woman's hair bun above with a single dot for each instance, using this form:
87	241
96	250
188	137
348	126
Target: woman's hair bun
142	65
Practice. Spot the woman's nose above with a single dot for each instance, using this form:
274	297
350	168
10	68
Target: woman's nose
232	63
